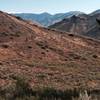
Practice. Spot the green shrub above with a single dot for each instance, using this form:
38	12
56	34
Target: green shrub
22	87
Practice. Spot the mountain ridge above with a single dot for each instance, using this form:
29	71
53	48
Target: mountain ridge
81	24
47	19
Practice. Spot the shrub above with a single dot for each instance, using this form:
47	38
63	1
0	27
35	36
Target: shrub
29	47
43	45
71	35
84	96
22	87
5	45
95	56
19	18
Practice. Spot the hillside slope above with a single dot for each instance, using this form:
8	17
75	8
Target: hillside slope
46	58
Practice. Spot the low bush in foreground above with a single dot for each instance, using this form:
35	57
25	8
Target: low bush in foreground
22	91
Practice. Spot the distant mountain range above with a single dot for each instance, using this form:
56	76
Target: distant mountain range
95	12
82	24
74	21
46	19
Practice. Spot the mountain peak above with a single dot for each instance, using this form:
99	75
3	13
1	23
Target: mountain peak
45	14
47	19
95	12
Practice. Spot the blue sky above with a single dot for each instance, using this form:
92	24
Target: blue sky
51	6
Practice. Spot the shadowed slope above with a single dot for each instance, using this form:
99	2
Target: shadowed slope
81	25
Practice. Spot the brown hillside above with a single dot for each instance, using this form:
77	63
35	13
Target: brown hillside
46	58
